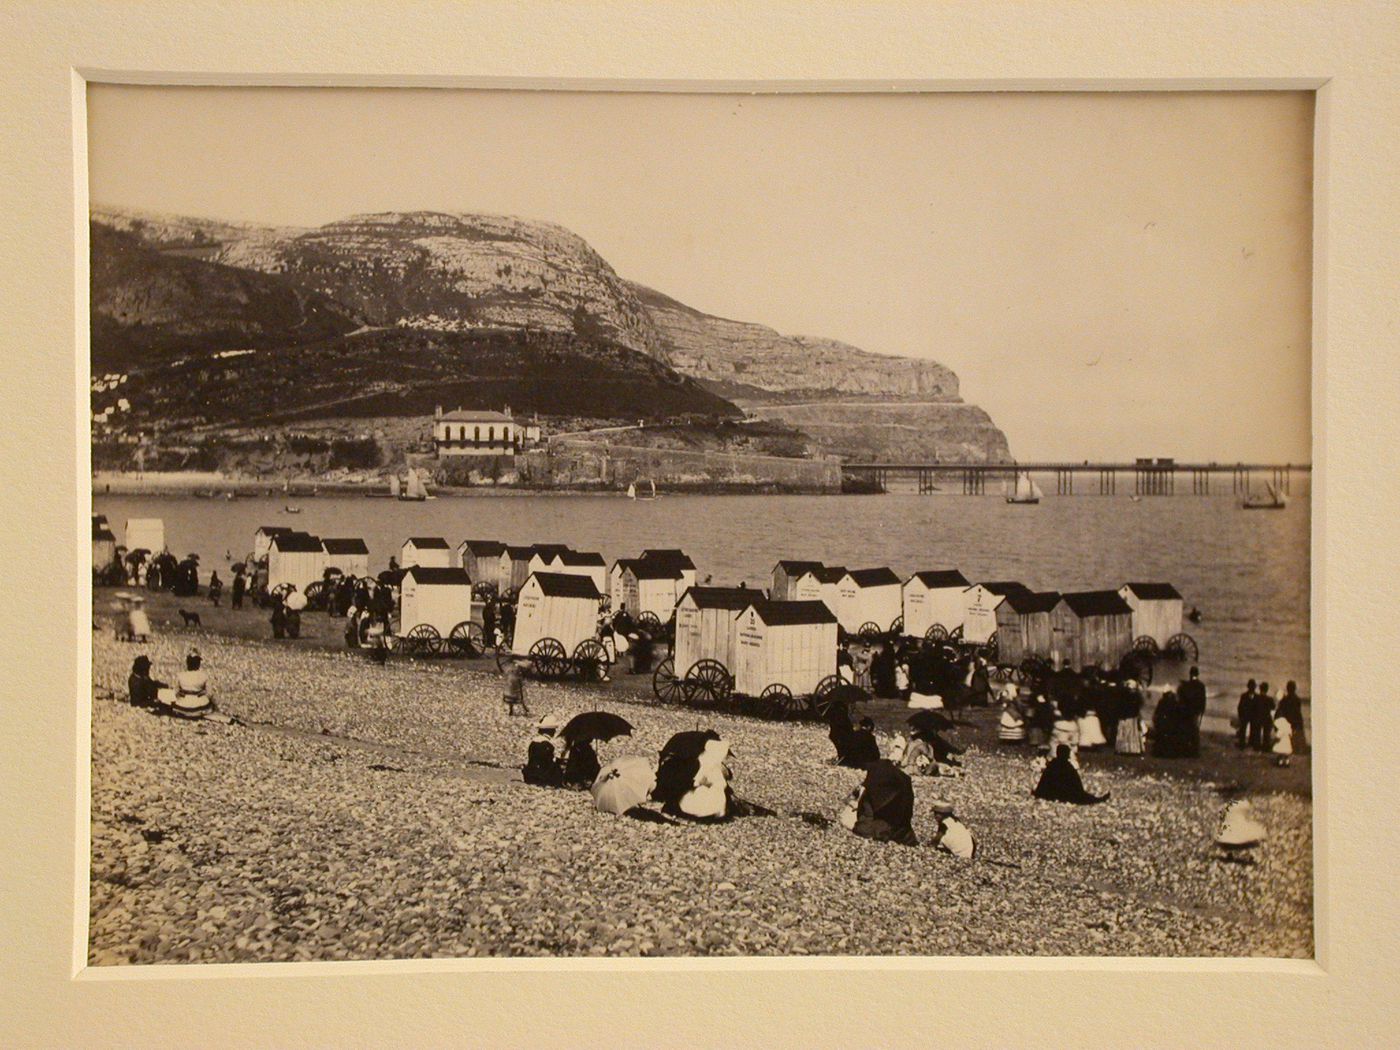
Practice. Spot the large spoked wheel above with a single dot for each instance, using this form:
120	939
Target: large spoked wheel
1001	673
869	632
651	622
591	659
935	634
665	684
549	658
708	682
315	594
1182	647
988	649
422	640
466	640
778	698
1145	644
821	696
897	627
956	634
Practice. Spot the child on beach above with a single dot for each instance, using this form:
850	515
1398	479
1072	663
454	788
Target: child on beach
514	693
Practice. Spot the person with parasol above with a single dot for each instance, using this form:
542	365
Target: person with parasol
580	760
882	807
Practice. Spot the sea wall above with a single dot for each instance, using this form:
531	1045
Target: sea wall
615	466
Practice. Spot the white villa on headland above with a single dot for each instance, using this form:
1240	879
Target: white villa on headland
476	432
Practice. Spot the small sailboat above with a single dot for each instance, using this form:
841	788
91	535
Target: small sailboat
645	491
414	489
289	509
632	490
1272	499
1027	491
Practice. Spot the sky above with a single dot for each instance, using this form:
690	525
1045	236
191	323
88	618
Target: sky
1111	275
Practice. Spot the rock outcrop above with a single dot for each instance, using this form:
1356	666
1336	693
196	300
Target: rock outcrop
899	432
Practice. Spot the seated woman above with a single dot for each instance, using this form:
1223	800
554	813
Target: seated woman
861	747
884	807
142	689
1061	783
581	766
541	760
191	698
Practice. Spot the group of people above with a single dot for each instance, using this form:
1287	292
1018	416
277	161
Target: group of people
552	761
1271	724
189	697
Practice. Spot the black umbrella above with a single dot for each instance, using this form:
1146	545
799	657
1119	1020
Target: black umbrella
688	744
929	721
890	793
848	694
595	725
838	713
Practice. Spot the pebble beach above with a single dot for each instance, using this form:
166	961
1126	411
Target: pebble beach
359	812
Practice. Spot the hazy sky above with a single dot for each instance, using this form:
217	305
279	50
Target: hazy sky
1111	275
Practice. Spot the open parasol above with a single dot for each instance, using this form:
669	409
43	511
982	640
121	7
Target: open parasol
929	722
595	725
623	783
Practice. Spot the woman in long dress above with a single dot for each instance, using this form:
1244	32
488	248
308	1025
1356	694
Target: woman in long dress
1128	740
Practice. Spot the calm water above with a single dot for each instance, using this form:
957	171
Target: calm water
1247	571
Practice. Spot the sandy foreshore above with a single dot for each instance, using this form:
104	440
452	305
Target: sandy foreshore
372	813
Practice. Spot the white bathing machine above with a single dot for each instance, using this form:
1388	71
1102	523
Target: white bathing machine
262	539
704	655
482	560
980	601
1157	611
435	609
650	589
585	563
784	651
869	602
145	534
933	603
822	584
556	625
514	568
1091	629
675	558
785	574
297	558
348	554
431	552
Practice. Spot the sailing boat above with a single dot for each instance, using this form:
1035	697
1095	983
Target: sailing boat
1274	500
414	490
1027	491
636	492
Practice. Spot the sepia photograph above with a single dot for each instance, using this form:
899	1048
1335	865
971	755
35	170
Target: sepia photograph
533	523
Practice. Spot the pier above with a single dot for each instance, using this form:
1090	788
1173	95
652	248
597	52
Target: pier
1143	477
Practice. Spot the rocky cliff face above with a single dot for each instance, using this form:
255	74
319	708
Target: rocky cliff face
917	432
753	362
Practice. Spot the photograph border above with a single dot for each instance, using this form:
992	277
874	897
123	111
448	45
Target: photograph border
1349	93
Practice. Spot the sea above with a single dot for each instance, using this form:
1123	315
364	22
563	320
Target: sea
1246	571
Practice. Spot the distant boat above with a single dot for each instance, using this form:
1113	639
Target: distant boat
289	509
1027	491
1273	499
647	493
414	489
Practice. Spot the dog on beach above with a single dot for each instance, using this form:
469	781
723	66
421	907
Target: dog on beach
191	618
